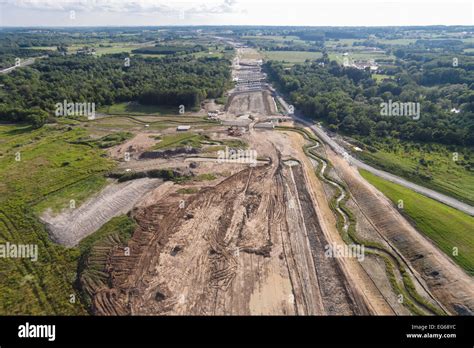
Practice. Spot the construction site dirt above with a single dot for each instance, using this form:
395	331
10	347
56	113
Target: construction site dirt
253	239
235	248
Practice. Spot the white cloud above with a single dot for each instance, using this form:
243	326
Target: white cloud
236	12
130	6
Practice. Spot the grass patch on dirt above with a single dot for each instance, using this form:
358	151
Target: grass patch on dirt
178	140
205	177
188	190
447	227
112	139
121	226
106	141
78	192
231	143
222	100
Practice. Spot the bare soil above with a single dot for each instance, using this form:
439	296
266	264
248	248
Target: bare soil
452	287
72	225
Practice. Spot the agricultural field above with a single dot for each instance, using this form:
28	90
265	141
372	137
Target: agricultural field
448	228
291	56
47	48
380	77
356	55
340	43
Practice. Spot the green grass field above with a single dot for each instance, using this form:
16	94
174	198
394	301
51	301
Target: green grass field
354	55
108	48
380	77
340	42
429	165
292	57
138	109
115	49
447	227
78	192
274	38
397	41
39	169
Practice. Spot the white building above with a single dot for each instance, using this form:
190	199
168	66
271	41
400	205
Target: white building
183	128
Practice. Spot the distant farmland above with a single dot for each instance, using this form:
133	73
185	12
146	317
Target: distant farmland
292	56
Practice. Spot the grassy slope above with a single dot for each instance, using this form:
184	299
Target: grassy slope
445	226
447	176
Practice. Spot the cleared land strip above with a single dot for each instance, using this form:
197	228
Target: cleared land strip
25	62
69	227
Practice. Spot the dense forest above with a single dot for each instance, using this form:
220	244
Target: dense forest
170	81
349	100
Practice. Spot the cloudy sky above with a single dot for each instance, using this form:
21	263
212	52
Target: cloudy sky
239	12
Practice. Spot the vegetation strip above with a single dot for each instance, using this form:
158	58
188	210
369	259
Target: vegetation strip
447	227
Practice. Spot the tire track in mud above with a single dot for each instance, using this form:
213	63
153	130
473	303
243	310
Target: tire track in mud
235	207
332	283
303	276
415	302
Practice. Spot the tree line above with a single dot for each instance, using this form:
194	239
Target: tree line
349	100
170	81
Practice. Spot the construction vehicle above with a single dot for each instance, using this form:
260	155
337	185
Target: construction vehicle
234	131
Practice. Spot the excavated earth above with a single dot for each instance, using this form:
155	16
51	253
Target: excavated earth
253	240
450	285
252	244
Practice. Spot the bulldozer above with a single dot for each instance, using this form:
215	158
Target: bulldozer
234	131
